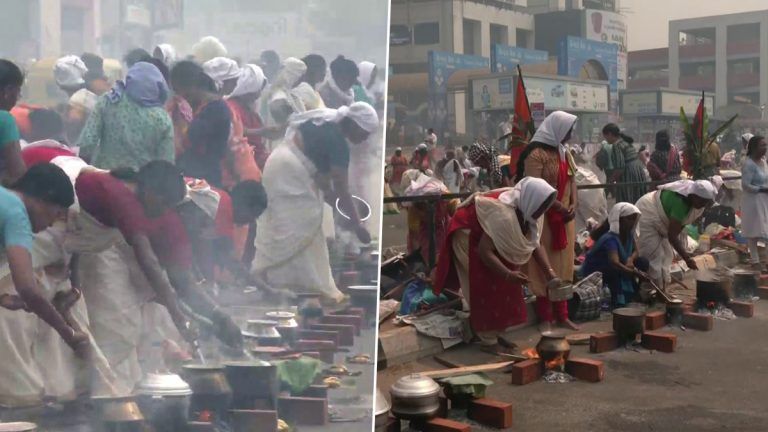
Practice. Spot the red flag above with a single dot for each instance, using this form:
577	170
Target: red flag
522	127
698	122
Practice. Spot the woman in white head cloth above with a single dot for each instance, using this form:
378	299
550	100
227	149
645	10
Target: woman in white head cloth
491	237
309	168
242	102
208	48
69	73
166	53
547	158
665	212
224	72
615	256
365	90
276	101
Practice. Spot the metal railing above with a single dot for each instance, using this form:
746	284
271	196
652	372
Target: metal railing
432	200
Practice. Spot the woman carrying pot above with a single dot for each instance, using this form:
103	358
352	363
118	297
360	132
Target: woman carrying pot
491	237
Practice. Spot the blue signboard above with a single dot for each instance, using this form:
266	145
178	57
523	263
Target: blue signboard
505	58
441	66
575	52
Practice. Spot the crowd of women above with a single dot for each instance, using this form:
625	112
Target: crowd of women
123	206
517	229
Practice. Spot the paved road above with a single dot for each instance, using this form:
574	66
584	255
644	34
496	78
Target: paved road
716	381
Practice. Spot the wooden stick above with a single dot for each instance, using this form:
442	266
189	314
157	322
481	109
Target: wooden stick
465	370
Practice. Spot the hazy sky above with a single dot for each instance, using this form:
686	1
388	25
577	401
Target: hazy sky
648	20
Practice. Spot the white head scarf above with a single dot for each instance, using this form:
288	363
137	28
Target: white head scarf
221	69
290	73
702	188
304	98
360	112
208	48
169	53
553	130
619	211
85	99
745	138
69	71
528	195
251	80
366	69
207	199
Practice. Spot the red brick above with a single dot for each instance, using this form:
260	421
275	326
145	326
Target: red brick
352	320
315	391
321	335
303	411
664	342
655	320
491	413
697	321
585	369
313	354
445	425
351	311
603	342
742	309
689	306
444	406
762	292
253	420
346	332
393	425
526	372
763	279
349	278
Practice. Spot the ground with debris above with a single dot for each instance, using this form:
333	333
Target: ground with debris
714	381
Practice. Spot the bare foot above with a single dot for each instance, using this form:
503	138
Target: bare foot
569	325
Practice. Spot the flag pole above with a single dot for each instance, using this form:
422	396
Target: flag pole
525	93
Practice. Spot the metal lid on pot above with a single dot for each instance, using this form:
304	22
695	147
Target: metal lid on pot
163	385
629	312
247	364
414	385
18	427
382	405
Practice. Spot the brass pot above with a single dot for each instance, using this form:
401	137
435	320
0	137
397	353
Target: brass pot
553	344
121	409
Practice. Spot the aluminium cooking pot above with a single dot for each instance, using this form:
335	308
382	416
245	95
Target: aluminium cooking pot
628	322
164	400
381	411
415	397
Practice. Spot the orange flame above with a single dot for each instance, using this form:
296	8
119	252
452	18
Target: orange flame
531	353
556	363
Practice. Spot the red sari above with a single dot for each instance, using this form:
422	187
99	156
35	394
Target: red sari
251	120
495	304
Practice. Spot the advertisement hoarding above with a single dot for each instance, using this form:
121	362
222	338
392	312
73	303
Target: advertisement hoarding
671	103
576	52
505	58
493	94
609	27
639	103
586	97
441	65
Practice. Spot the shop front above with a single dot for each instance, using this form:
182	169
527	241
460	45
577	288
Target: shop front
644	112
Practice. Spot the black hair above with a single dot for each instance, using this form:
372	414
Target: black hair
753	143
189	74
314	61
601	229
48	183
46	123
163	68
613	129
430	130
160	177
662	140
270	56
250	193
95	65
10	74
465	148
136	55
342	66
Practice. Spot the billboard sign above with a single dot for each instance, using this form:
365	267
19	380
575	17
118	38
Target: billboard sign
441	65
609	27
505	58
575	53
493	94
671	103
167	14
639	103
